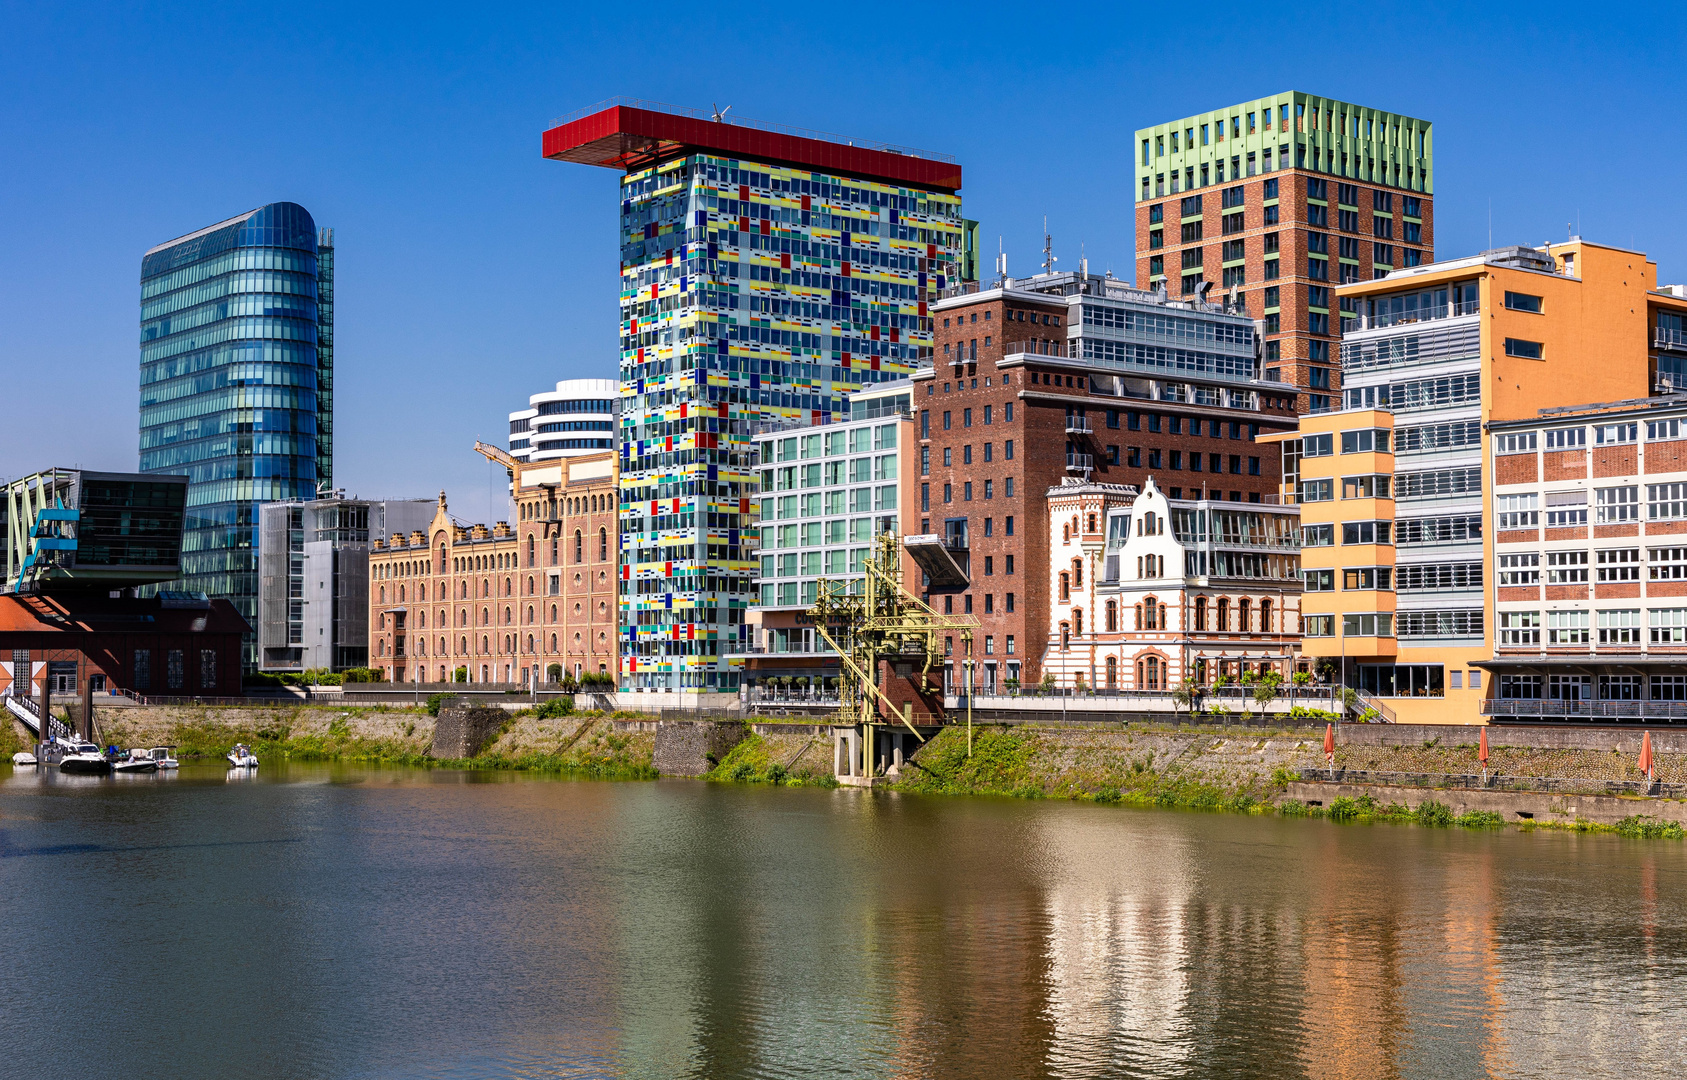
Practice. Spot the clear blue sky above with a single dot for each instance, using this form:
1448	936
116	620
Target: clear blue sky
473	273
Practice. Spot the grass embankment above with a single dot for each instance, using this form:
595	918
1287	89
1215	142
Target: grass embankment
1015	762
781	760
583	745
1025	763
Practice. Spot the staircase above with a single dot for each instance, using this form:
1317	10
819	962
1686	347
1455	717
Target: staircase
28	714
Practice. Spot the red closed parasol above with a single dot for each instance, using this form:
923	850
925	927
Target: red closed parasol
1646	756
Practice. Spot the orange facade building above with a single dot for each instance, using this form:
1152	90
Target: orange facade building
1397	522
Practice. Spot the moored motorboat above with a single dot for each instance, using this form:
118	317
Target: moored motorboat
85	758
137	761
241	757
22	759
162	756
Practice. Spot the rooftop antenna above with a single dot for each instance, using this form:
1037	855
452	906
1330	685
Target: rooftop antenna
1049	258
719	113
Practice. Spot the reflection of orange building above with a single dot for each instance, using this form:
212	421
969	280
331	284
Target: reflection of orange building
1397	532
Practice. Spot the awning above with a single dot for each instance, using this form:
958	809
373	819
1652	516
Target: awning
1539	663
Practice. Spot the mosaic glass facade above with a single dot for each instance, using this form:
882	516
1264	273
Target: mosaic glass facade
751	294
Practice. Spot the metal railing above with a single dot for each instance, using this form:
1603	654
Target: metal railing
1586	710
1078	425
1366	701
1669	339
1080	463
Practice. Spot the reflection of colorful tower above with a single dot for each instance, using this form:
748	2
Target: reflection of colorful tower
765	274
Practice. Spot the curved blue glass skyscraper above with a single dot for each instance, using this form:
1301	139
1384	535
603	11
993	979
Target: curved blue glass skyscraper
236	383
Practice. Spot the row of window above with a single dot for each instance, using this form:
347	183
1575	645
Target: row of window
861	470
1661	626
986	414
1619	433
987	489
1612	565
1572	687
1405	624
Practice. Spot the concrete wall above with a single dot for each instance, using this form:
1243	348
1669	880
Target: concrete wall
1623	740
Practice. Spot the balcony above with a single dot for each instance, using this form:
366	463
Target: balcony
1673	340
1080	463
936	555
1078	425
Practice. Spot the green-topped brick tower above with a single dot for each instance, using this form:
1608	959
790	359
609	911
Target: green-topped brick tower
1274	202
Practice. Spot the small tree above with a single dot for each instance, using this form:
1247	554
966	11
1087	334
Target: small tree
1048	682
1266	689
460	675
1185	695
553	673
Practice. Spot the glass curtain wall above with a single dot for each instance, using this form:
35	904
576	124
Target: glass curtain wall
230	373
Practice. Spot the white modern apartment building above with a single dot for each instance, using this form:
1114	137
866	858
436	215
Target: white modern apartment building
578	417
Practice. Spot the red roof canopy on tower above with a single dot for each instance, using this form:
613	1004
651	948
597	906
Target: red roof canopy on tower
629	137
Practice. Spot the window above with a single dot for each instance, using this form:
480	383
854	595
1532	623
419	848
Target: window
1362	532
1427	577
1619	627
1446	623
1617	504
1619	564
1666	502
1609	434
1517	686
1317	535
1318	445
1374	486
1565	438
1516	301
1366	441
1317	490
1668	626
1528	350
1669	688
1666	564
1520	628
1522	442
1318	580
1368	624
1318	625
1566	509
1382	227
1189	231
1566	567
1365	577
1520	569
1516	511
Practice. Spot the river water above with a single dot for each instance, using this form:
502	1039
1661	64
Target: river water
334	921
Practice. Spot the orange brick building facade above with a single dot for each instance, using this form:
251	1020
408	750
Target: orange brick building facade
509	604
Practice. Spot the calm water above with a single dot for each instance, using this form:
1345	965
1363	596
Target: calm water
331	921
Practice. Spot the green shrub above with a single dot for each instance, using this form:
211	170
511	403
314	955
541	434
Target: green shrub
1648	828
555	708
1436	815
1108	796
460	675
1479	819
1343	808
434	702
1292	808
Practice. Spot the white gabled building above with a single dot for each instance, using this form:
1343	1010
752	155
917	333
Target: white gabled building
1145	592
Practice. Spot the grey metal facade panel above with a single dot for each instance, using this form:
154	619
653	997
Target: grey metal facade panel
273	574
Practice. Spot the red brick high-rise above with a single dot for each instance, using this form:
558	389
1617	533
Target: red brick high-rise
1277	201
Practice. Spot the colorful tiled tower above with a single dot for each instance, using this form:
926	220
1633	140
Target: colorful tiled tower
765	274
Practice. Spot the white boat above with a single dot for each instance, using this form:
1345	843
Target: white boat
241	757
165	760
84	757
23	758
138	761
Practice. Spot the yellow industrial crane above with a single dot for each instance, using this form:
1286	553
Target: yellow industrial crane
881	621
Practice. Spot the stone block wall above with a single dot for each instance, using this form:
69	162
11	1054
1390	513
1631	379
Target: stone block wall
463	729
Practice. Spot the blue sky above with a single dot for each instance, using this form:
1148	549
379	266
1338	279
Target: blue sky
472	273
